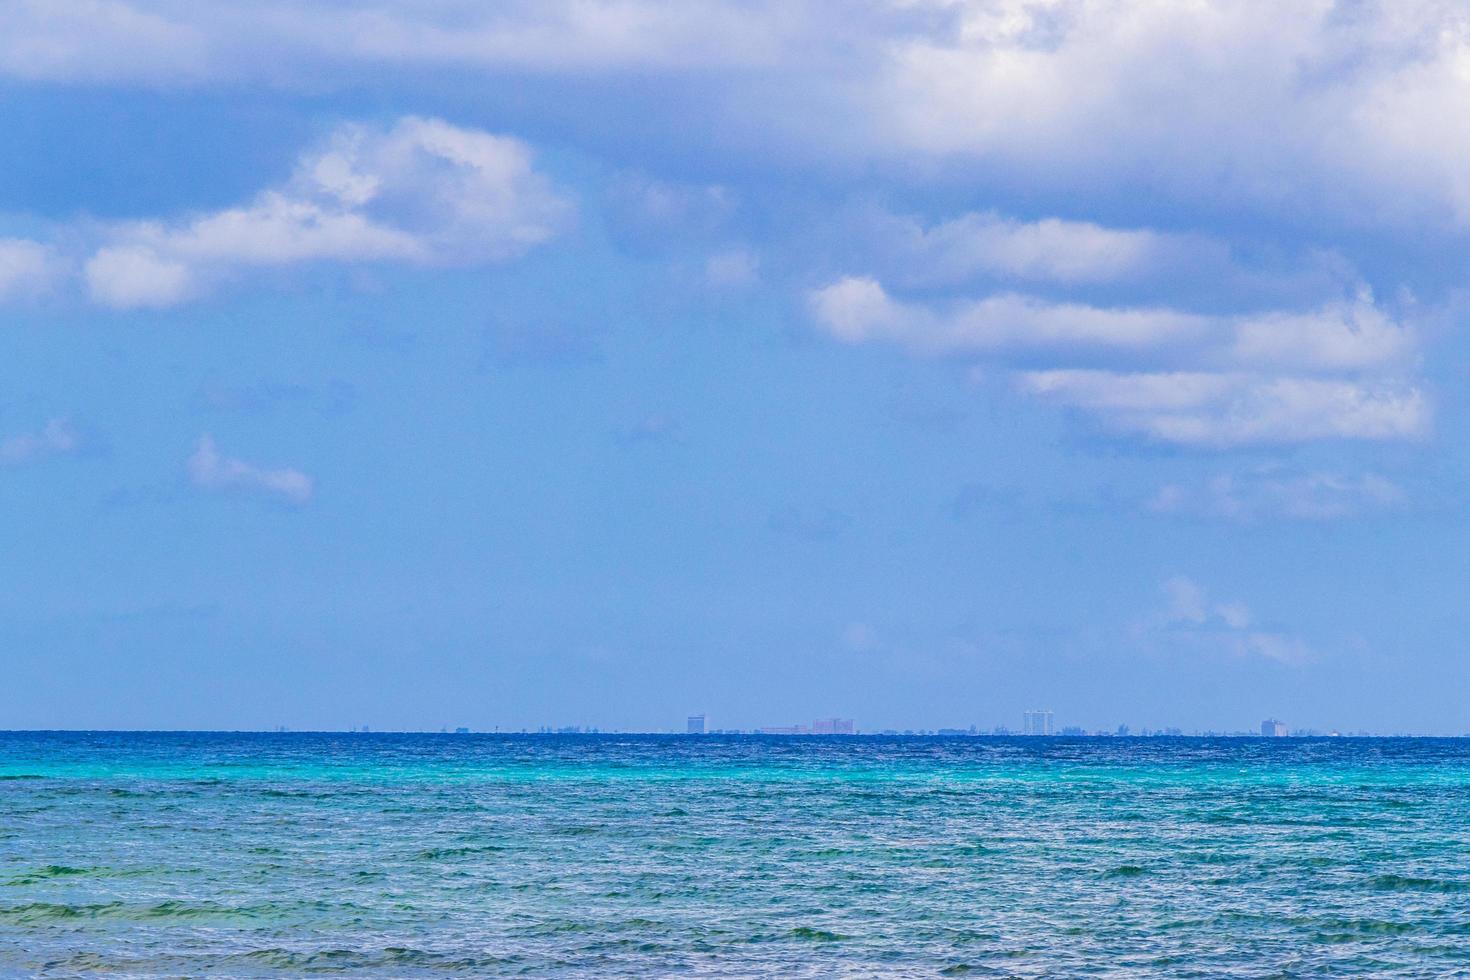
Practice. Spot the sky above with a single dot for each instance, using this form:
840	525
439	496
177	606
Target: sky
599	362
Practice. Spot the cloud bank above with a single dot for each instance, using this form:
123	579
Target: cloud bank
1309	108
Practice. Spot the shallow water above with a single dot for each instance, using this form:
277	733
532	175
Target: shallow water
459	855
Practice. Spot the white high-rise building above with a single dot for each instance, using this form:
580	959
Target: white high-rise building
1037	722
1271	728
696	725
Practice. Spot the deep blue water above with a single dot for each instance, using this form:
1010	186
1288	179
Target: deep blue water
163	855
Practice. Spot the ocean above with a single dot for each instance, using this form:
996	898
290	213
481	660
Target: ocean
367	855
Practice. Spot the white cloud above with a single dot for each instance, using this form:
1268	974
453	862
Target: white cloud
99	40
130	276
27	269
1225	410
211	470
555	35
1052	249
1341	370
1316	106
1336	336
1271	493
55	438
1191	620
857	310
422	192
1242	99
164	40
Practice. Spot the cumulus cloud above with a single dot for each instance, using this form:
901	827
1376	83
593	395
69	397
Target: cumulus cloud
1336	336
209	469
130	276
1275	494
27	269
858	309
1229	409
1244	99
1191	620
1336	371
1049	250
55	438
422	192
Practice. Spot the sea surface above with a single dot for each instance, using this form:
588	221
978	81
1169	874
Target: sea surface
220	855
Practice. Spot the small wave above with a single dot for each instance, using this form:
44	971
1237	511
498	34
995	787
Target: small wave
641	924
1347	930
47	873
1125	871
1212	857
809	934
335	960
282	959
1401	883
441	853
559	927
182	910
34	912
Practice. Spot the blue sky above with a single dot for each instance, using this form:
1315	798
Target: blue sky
595	363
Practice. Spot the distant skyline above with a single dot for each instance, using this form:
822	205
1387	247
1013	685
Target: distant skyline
603	362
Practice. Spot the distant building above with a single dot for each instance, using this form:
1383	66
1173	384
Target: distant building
1271	728
833	726
1037	722
784	730
696	725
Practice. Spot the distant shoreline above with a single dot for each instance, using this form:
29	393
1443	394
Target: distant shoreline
731	735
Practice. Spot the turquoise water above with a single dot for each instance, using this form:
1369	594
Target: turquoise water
443	855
